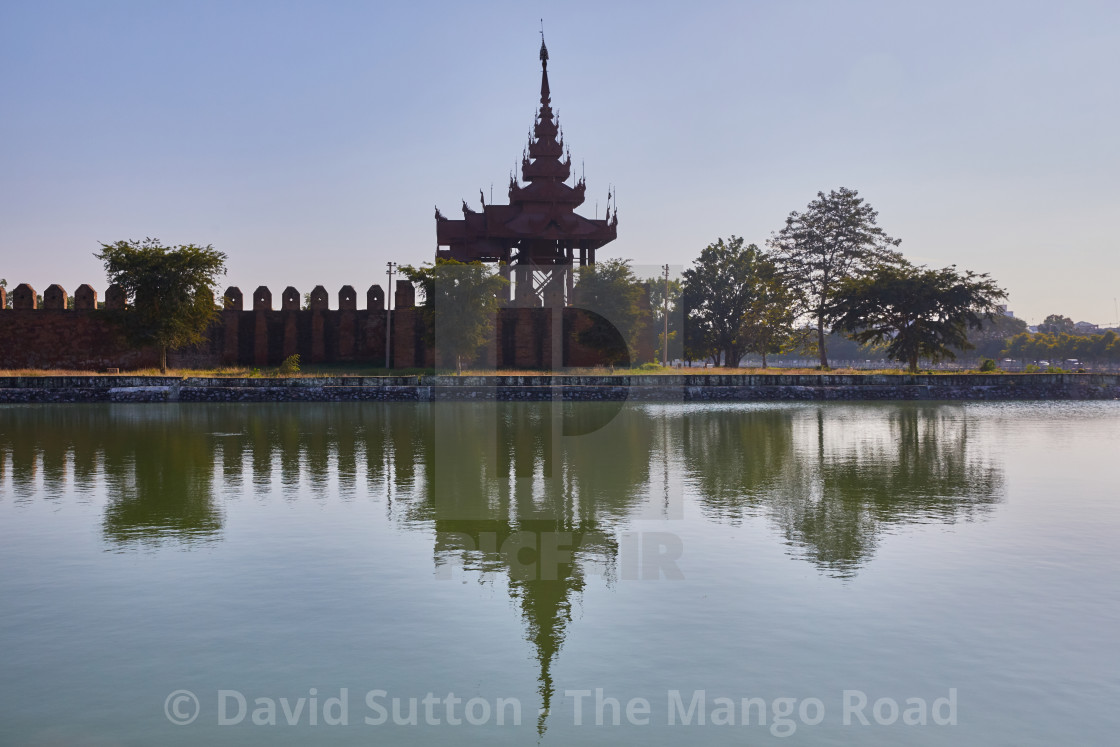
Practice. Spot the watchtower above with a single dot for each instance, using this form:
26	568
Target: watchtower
538	235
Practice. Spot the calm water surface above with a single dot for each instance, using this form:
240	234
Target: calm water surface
531	570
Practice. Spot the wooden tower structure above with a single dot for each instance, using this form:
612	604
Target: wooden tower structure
538	236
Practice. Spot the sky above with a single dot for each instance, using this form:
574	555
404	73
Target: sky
310	142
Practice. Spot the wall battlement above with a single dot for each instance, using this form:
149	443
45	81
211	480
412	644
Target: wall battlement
73	333
24	298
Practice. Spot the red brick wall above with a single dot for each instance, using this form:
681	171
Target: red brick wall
59	339
87	340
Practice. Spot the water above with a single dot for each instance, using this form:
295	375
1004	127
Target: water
311	563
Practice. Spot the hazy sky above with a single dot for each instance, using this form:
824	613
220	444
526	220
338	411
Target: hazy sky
311	141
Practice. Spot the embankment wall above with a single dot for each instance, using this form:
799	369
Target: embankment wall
660	388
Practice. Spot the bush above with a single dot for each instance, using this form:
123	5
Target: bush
651	366
987	365
290	364
1032	368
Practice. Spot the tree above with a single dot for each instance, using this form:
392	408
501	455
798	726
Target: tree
726	282
915	311
460	306
7	299
768	324
169	291
833	241
1055	324
992	338
612	291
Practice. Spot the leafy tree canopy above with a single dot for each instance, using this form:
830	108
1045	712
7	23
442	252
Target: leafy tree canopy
1102	348
460	305
169	291
612	291
725	283
992	337
835	240
664	306
1055	324
768	324
916	312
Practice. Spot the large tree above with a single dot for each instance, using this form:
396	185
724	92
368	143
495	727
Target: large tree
1056	324
836	239
612	291
768	324
460	306
991	339
169	291
916	312
725	282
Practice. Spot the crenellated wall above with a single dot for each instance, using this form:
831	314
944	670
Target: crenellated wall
86	338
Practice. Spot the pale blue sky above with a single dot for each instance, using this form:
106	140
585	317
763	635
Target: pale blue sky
310	142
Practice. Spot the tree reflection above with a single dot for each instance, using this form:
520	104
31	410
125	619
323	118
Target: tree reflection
157	473
533	493
835	478
160	479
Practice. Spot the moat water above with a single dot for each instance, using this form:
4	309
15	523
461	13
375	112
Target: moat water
873	574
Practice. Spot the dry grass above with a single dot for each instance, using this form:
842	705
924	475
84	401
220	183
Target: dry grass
357	370
271	372
722	370
178	372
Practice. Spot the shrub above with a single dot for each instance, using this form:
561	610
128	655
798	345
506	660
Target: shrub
290	364
987	365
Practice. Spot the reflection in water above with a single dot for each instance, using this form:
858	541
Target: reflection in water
533	493
835	479
156	473
513	495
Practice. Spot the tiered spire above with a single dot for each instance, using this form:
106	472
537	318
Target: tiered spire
545	97
541	162
539	226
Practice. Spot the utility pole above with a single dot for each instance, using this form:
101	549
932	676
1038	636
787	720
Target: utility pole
665	318
388	318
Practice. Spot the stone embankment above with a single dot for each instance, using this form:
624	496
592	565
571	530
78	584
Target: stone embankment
648	388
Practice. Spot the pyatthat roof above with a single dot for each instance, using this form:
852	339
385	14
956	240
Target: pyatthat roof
542	210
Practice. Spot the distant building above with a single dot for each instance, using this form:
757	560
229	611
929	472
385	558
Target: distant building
1086	328
1002	309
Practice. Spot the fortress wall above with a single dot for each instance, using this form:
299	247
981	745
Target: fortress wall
61	339
87	339
33	336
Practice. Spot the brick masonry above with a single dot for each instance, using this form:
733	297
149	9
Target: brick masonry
85	338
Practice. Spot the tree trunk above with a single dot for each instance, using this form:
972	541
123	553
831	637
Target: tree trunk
163	359
459	364
764	358
914	364
820	342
